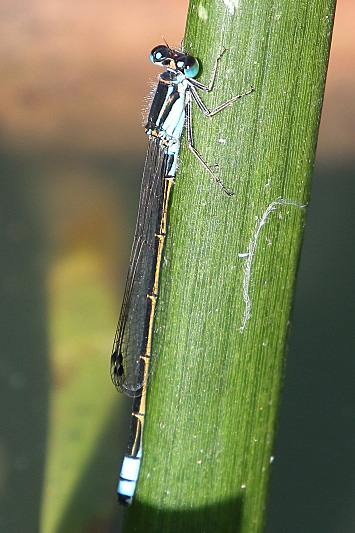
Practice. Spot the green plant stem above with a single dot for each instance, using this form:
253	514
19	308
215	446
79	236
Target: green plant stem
230	267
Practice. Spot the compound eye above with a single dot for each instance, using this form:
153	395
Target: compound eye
160	54
189	65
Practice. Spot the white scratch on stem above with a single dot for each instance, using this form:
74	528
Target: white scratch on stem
231	5
249	255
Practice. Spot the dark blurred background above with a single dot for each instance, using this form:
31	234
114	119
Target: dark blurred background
73	84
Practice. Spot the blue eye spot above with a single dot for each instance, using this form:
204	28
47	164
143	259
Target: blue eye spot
159	53
192	69
156	57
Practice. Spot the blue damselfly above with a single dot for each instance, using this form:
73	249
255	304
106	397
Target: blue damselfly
170	113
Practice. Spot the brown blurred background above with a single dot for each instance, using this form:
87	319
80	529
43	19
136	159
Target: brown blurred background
73	86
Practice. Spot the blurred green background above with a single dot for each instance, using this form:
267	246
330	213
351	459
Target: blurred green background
74	84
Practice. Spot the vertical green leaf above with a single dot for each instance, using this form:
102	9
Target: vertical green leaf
230	267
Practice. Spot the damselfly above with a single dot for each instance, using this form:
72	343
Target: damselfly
170	113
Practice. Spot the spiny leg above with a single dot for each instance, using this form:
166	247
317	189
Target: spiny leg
209	87
219	108
190	143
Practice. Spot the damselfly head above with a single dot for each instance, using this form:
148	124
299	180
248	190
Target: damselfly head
165	56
